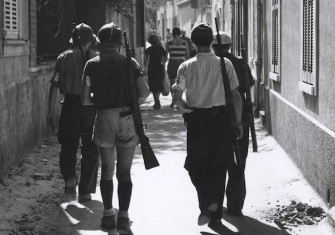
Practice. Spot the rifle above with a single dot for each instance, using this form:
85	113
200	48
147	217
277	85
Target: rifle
228	97
150	160
249	102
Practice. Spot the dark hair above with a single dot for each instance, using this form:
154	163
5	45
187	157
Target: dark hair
153	39
176	32
202	34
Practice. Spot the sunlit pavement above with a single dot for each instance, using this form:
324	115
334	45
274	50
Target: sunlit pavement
164	202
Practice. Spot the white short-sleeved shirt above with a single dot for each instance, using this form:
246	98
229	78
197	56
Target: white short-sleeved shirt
200	77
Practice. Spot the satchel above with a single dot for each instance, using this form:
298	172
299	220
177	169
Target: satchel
166	86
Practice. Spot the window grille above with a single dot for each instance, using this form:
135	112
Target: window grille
275	40
11	19
308	52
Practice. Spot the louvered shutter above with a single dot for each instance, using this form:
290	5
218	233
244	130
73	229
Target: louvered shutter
275	36
308	51
275	40
11	19
307	45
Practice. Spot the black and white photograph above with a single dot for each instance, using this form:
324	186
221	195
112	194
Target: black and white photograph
167	117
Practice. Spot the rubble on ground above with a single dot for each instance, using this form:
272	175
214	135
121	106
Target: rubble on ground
295	214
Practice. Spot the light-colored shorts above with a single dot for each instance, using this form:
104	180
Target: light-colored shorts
110	129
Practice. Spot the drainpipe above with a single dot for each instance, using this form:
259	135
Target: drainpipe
258	62
232	11
245	26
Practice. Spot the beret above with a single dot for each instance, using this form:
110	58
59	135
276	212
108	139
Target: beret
225	38
202	31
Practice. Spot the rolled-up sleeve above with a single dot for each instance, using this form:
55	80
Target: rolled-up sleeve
180	83
54	80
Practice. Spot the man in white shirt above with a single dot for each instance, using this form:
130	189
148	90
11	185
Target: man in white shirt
209	137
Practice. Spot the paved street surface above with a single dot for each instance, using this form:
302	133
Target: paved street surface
164	202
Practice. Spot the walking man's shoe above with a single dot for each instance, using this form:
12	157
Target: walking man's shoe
108	222
234	212
70	185
84	197
203	219
123	224
215	224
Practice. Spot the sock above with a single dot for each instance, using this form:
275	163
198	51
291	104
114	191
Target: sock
124	193
109	212
106	188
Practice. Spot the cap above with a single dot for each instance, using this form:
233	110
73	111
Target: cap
202	34
225	38
84	32
183	31
109	33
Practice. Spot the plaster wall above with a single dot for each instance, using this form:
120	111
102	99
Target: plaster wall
321	106
308	142
186	17
304	124
23	105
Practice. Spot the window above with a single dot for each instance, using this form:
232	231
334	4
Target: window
275	41
308	78
11	19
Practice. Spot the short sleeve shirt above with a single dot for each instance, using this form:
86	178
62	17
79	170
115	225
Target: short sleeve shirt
69	68
200	77
90	71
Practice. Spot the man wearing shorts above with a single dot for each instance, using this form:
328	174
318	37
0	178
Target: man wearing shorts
105	76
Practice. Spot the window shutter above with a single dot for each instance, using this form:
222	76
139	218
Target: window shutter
308	50
307	45
275	36
11	19
275	41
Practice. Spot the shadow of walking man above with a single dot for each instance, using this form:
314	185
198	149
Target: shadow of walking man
243	225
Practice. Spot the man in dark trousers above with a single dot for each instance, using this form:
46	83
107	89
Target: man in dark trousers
105	77
76	121
187	40
236	189
209	140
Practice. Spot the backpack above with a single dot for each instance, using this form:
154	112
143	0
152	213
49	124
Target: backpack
242	71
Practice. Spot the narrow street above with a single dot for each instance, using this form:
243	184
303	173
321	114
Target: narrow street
164	201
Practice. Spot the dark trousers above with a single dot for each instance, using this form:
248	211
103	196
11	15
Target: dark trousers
76	126
236	189
209	154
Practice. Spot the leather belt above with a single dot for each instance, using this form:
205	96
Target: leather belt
126	113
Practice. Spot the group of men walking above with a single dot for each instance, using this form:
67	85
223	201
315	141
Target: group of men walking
97	115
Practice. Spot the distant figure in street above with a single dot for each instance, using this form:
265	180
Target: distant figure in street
209	141
105	77
178	50
236	190
76	121
168	36
187	40
155	68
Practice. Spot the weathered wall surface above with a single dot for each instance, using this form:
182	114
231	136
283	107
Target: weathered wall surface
309	143
304	124
23	105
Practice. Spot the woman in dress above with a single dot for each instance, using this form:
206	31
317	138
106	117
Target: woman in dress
155	68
